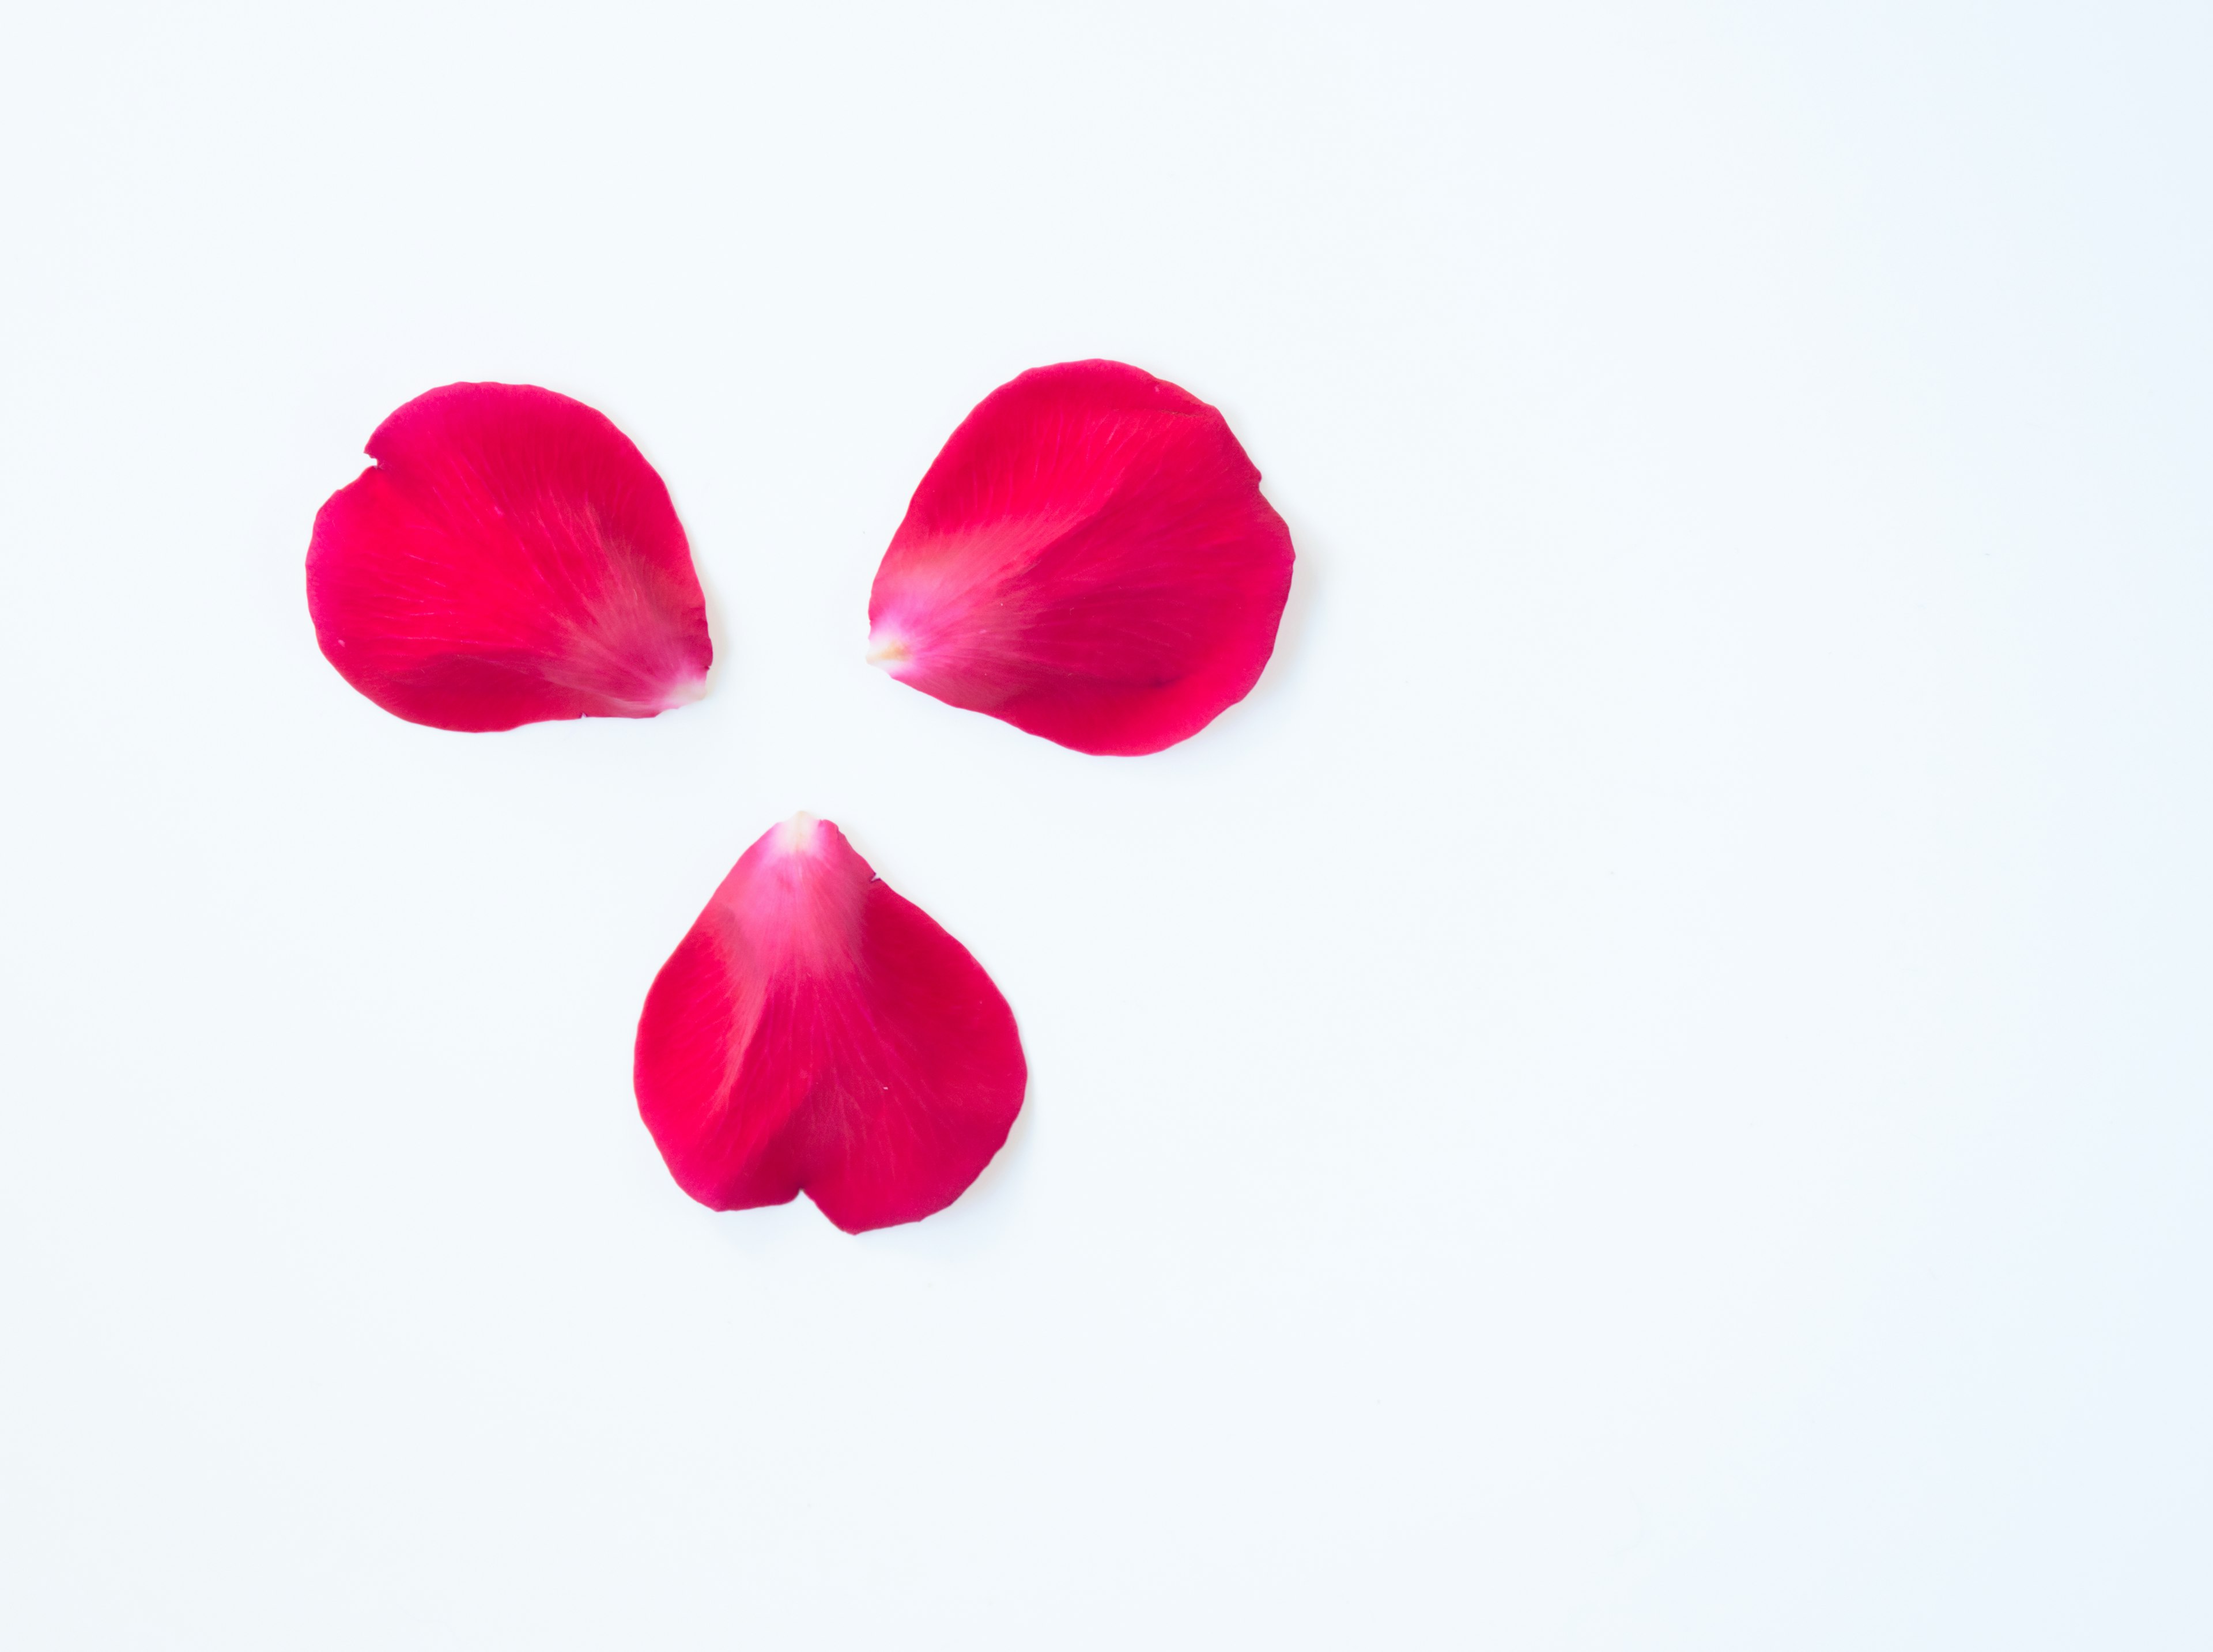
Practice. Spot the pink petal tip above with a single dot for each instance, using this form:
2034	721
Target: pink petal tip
510	557
1089	558
815	1033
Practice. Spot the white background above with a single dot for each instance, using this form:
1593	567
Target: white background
1648	1089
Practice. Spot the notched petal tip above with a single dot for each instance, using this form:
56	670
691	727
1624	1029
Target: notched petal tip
815	1032
1089	558
510	557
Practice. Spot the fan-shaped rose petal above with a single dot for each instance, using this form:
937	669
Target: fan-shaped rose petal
510	557
1089	558
815	1033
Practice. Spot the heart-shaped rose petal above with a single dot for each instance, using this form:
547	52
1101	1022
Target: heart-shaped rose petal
815	1033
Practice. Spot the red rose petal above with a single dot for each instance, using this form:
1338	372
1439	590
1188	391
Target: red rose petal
510	557
815	1033
1089	558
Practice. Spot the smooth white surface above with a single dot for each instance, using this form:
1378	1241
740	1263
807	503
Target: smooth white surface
1649	1088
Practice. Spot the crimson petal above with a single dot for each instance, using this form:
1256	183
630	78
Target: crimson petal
510	557
1089	558
815	1033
